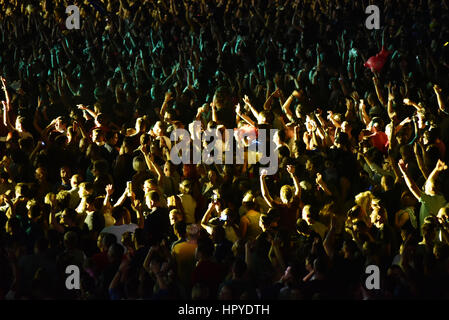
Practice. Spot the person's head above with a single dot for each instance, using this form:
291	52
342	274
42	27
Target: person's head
205	249
127	241
378	212
75	180
85	189
98	136
115	253
429	136
175	216
159	128
302	227
139	164
363	199
105	241
100	168
265	222
41	174
71	240
152	199
429	232
69	217
118	213
111	138
22	190
185	187
149	184
180	229
377	124
248	200
280	137
168	168
64	173
192	231
346	127
221	98
286	194
441	250
309	213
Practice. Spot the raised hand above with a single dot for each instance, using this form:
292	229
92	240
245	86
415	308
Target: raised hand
437	89
237	108
297	94
441	166
246	99
407	101
3	80
290	169
402	165
319	178
355	96
109	189
263	173
168	96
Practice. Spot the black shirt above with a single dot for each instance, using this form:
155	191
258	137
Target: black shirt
156	225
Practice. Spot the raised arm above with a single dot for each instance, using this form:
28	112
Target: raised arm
288	102
441	103
150	163
408	180
291	171
243	116
206	218
264	189
431	180
84	108
379	92
413	104
253	110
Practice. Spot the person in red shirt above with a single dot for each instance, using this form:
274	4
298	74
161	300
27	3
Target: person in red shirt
207	271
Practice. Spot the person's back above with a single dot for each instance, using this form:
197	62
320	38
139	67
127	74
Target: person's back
189	206
184	254
253	228
430	204
157	224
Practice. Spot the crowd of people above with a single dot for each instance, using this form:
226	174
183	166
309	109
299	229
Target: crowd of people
87	177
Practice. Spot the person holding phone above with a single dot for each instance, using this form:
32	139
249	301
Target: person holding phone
217	215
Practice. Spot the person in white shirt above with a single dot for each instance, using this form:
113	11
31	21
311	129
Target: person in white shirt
120	227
